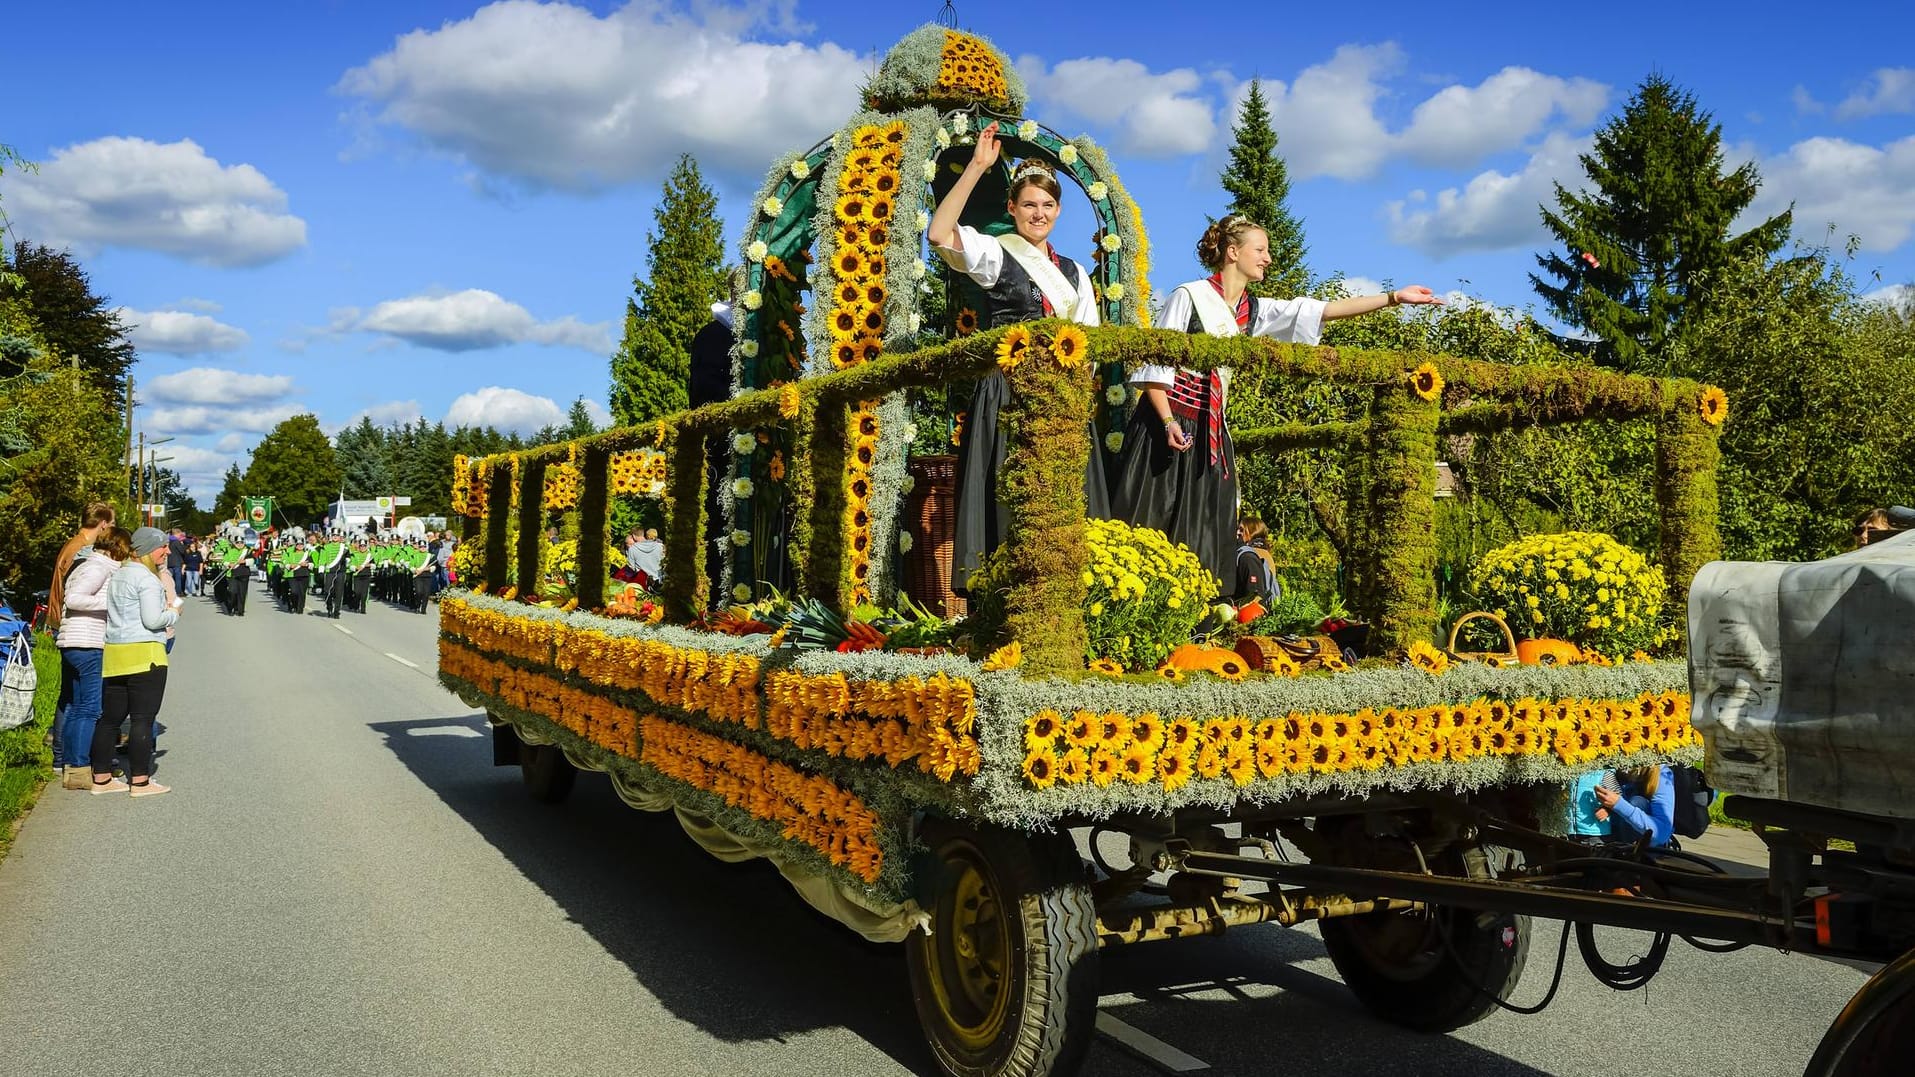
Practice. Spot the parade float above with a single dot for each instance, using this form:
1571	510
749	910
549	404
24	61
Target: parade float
928	794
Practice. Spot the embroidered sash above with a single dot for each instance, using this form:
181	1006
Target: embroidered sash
1044	273
1215	314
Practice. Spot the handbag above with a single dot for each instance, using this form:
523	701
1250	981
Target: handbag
18	683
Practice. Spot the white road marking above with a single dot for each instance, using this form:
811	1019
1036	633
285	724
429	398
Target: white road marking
401	661
344	629
1150	1047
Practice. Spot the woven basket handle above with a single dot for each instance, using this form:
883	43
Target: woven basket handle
1457	628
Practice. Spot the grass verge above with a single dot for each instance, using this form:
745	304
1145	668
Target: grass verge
26	760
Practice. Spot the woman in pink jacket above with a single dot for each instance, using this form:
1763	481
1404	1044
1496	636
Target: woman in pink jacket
82	641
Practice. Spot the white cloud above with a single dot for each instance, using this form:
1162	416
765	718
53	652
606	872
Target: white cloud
1805	102
469	320
1150	114
201	470
171	198
393	411
505	409
231	443
1362	286
1889	89
1494	210
1858	189
1326	118
220	388
202	419
179	333
1460	125
204	306
553	95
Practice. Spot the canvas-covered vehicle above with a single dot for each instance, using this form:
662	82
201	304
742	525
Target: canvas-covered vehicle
928	794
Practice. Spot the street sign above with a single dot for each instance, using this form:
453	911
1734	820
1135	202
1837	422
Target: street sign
154	510
402	501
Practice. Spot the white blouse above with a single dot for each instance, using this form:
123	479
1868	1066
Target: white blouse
982	260
1296	321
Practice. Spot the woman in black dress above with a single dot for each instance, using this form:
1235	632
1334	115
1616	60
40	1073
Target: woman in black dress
1178	472
1023	279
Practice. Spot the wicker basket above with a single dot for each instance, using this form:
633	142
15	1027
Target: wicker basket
1493	658
930	518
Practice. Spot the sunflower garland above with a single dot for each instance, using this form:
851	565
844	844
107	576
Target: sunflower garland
640	472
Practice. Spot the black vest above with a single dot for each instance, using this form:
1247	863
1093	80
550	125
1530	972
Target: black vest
1016	297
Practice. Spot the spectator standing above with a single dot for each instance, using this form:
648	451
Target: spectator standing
176	559
94	521
133	666
82	639
195	565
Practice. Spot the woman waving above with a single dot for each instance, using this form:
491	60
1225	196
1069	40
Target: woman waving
1178	472
1023	279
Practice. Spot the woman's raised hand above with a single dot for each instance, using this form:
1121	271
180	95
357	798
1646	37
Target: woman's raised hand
1417	295
987	151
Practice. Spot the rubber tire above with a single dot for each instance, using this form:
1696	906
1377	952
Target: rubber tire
1438	994
1053	967
1872	1036
548	774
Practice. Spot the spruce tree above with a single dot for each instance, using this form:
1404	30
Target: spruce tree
1259	186
652	367
1642	249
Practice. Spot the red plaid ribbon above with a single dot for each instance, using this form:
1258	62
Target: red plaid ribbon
1214	386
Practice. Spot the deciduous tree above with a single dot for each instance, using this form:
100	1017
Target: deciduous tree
294	464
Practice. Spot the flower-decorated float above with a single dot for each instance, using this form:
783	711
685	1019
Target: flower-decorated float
920	784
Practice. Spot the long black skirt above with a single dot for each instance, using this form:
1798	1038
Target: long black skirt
982	520
1180	493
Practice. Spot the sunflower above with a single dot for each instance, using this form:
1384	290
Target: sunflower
1040	768
1107	667
1008	657
863	160
1209	761
878	210
1070	348
1714	405
873	322
1080	731
1136	766
864	454
1113	730
1427	658
886	182
1011	349
1072	768
1426	382
1272	759
1148	730
1171	673
848	262
846	354
776	469
1041	729
966	323
870	348
1232	668
1174	770
874	293
844	323
1179	734
1103	766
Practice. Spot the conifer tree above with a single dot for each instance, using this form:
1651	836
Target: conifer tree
1641	249
652	367
232	487
1259	186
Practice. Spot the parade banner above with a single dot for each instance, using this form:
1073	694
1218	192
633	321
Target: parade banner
259	512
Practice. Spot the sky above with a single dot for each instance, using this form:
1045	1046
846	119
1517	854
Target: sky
436	210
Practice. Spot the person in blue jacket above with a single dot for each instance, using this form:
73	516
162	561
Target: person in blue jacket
1646	805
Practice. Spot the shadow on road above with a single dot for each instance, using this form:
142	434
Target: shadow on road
726	947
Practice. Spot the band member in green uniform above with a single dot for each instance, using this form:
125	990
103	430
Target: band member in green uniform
359	576
329	564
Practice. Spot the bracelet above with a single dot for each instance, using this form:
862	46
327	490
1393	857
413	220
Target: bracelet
1390	300
1170	423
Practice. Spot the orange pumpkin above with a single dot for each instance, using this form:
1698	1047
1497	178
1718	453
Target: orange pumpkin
1548	652
1202	658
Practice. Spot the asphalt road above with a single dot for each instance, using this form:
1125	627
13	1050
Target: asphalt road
341	883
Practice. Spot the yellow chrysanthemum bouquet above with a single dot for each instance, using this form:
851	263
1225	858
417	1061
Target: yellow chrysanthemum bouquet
1146	594
1582	586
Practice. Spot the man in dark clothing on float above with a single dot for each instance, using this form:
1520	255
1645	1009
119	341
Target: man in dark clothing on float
710	383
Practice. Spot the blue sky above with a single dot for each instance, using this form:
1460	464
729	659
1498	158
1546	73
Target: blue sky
434	209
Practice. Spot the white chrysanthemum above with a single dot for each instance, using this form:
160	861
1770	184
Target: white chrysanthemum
657	487
918	269
743	444
904	542
1114	441
924	221
757	251
773	206
961	123
909	483
1114	291
1097	191
913	323
910	435
741	593
930	171
1113	242
1067	153
799	169
943	138
741	538
753	300
741	487
1115	395
1027	130
749	349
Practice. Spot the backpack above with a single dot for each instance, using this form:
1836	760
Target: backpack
1694	794
1266	578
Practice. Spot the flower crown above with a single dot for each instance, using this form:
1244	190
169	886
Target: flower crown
1031	166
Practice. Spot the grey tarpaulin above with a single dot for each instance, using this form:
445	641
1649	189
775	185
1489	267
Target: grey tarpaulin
1803	677
878	921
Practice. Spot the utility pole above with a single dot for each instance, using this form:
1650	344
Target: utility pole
140	458
127	479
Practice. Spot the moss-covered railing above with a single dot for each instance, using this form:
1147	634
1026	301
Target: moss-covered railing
1393	456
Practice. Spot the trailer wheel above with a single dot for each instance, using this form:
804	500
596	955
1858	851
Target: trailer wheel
1006	980
1875	1032
1400	968
548	775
